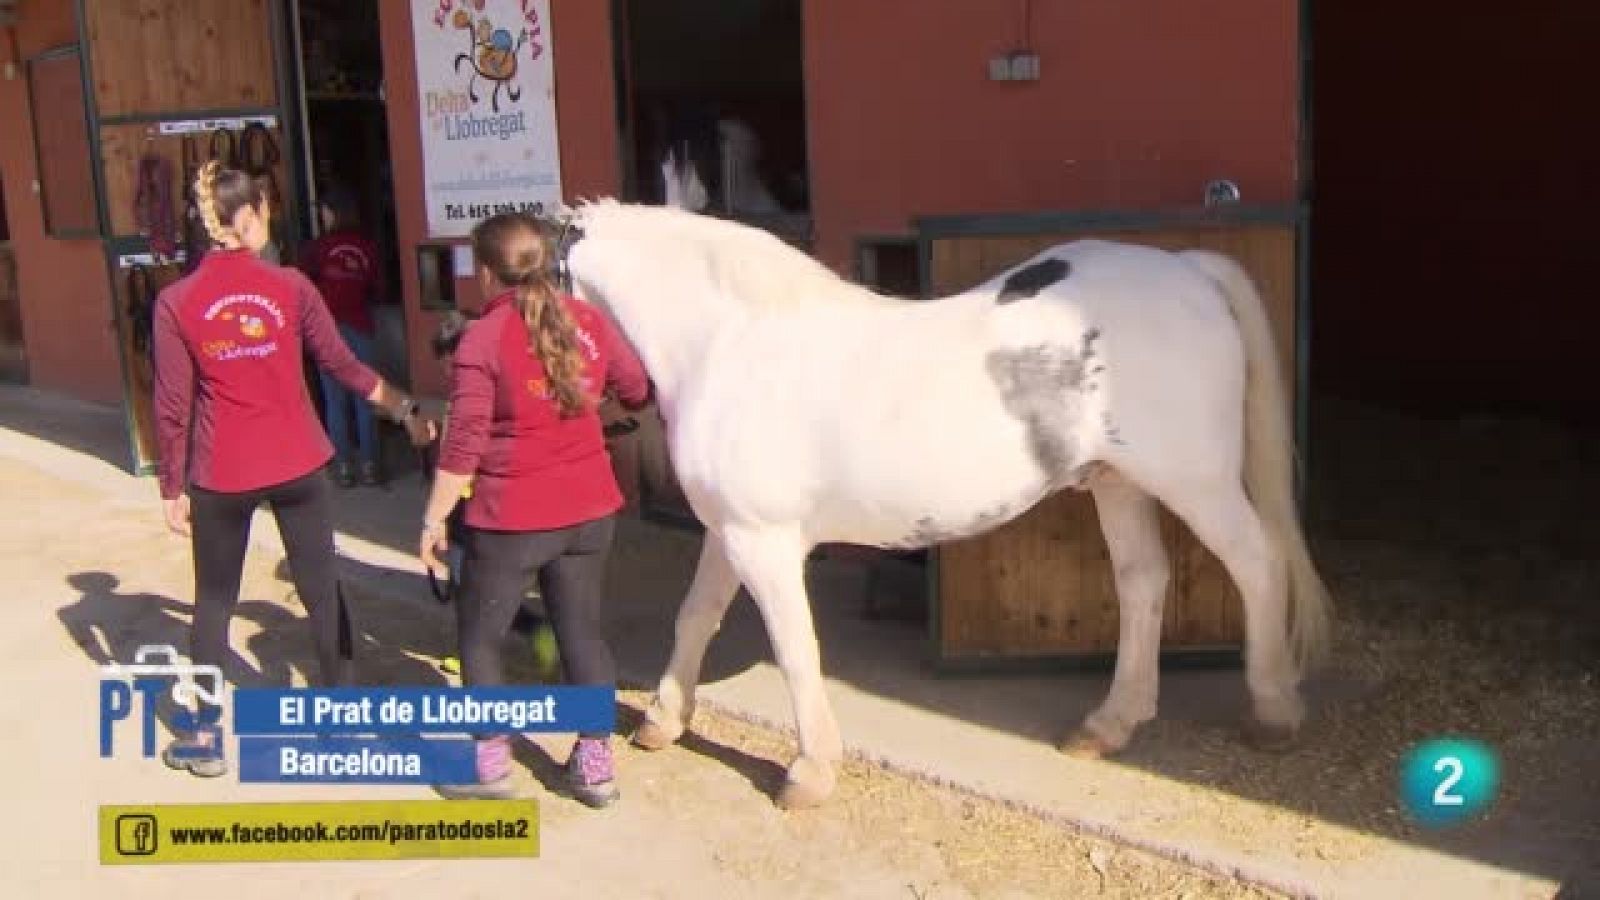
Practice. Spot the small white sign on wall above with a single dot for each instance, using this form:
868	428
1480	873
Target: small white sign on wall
461	259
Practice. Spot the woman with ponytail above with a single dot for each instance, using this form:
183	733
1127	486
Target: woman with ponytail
524	430
236	428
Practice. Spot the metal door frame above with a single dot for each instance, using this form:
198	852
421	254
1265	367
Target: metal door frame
115	247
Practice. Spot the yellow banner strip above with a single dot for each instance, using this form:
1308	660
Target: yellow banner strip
296	832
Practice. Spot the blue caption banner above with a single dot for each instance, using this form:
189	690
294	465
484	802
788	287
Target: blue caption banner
507	709
299	760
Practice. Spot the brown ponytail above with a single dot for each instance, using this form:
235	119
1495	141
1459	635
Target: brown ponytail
516	250
219	194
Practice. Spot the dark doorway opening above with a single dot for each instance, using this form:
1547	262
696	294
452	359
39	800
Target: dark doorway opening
722	83
1452	209
346	152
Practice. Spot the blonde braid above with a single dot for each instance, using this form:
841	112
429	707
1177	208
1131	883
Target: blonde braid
205	201
555	338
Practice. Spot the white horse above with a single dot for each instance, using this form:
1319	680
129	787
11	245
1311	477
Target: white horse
744	188
681	182
741	151
803	409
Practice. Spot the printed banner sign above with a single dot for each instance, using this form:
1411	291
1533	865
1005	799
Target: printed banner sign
344	760
486	92
292	832
501	709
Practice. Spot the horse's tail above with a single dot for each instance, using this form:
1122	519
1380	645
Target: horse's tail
1269	456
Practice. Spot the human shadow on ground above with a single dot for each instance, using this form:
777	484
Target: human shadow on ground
110	626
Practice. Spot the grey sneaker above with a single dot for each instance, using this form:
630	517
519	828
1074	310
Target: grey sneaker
192	756
500	788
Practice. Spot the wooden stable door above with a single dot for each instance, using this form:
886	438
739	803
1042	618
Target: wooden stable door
175	84
1041	587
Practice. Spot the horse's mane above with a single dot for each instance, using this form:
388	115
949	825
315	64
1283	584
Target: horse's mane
754	266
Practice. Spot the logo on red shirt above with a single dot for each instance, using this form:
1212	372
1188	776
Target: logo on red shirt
251	326
348	260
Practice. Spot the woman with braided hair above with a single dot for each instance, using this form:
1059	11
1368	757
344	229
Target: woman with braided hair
236	428
524	430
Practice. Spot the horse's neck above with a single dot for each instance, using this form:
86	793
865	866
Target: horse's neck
669	348
665	325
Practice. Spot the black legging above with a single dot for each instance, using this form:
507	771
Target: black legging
220	525
494	574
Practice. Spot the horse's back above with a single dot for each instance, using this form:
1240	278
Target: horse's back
1173	365
963	411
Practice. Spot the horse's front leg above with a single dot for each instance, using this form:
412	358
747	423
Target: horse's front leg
715	584
1130	520
772	564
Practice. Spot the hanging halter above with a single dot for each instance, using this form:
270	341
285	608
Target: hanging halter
568	235
152	206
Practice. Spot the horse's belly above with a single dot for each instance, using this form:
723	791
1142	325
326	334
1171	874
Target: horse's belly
925	523
869	445
911	503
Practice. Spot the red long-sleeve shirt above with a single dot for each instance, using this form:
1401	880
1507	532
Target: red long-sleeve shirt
229	373
532	469
345	267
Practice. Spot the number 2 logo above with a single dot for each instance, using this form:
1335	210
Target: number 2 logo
1442	795
1446	781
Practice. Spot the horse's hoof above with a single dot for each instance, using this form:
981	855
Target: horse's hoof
1082	743
803	795
1268	737
809	784
651	736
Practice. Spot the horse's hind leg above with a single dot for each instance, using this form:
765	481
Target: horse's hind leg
772	565
1222	517
1130	519
715	584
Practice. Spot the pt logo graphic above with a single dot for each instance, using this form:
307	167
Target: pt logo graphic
199	711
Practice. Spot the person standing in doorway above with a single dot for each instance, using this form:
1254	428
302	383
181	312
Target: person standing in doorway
236	429
345	266
524	430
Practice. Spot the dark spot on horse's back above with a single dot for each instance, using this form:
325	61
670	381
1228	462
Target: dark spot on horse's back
1030	280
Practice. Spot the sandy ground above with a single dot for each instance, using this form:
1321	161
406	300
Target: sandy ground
1460	553
93	577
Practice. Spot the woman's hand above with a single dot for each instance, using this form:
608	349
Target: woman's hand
421	430
442	499
434	545
177	511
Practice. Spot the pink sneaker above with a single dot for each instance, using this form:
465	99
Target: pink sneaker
494	773
591	772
